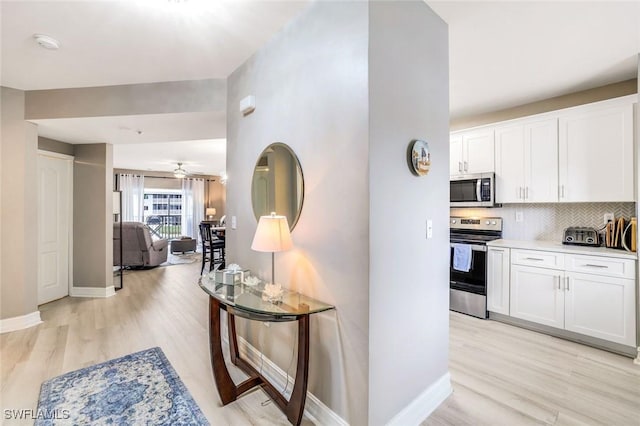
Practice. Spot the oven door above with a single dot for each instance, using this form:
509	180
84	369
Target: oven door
474	281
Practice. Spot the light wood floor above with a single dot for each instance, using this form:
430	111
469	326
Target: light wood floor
159	307
502	375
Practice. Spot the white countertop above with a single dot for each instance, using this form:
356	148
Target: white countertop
564	248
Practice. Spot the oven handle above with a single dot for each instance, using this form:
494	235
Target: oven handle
474	247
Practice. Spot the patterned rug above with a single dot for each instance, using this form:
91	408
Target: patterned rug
140	388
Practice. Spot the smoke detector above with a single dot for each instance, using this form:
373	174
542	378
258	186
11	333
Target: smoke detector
47	42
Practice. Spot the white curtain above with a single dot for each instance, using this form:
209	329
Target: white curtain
192	206
132	188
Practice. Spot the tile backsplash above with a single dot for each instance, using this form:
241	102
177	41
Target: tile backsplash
548	221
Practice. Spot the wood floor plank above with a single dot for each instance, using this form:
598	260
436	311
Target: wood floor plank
505	375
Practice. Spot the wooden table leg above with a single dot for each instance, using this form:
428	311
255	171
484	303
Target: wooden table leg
295	407
226	388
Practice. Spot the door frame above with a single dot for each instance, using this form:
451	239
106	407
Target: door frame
59	156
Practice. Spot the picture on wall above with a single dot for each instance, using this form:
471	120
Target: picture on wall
419	157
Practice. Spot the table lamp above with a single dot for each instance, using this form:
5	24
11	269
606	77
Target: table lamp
272	235
211	211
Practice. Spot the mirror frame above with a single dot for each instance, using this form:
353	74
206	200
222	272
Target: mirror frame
301	174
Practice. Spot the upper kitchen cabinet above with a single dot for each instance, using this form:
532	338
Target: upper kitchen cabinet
526	161
596	152
472	152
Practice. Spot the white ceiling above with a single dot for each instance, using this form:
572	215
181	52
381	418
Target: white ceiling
509	53
502	54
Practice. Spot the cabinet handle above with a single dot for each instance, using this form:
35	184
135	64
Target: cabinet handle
562	191
526	192
567	285
558	282
459	166
533	258
466	166
519	192
591	265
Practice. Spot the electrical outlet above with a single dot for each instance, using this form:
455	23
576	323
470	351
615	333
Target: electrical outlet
608	217
519	216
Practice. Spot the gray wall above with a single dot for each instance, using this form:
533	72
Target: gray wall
92	216
18	208
310	84
409	275
609	91
152	98
53	145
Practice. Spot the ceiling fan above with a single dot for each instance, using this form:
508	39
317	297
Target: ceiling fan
180	172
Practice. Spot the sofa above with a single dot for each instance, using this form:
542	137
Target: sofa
138	248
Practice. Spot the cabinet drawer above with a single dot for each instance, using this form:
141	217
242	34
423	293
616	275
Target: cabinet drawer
597	265
543	259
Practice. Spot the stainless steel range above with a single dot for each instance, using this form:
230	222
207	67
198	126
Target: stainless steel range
468	262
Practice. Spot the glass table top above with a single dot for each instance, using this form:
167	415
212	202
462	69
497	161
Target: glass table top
250	299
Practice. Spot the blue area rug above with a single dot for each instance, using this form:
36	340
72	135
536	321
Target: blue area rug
140	388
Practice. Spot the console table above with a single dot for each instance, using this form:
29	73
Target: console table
247	302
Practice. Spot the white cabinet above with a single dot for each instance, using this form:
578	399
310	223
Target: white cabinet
498	265
600	306
537	295
526	161
588	294
596	152
472	152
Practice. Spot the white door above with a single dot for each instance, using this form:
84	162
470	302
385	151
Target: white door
498	280
54	226
455	156
478	147
537	295
510	164
541	161
601	306
596	154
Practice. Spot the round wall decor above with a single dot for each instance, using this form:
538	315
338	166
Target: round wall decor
419	157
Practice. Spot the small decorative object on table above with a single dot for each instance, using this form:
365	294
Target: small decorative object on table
234	274
272	293
252	281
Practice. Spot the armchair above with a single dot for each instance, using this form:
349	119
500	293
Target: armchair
138	248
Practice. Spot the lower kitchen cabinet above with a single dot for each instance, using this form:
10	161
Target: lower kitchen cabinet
537	295
498	265
592	295
600	306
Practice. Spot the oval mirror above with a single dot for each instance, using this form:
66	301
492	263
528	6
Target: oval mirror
277	184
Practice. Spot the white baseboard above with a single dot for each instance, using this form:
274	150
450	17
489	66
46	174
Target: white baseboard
92	291
314	409
424	404
20	323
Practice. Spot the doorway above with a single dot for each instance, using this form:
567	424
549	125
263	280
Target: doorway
55	225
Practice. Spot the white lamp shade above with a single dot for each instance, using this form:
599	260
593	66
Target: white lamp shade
272	234
211	211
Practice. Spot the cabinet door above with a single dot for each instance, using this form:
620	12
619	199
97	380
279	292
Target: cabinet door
601	307
455	156
509	162
537	295
478	149
541	161
596	153
498	280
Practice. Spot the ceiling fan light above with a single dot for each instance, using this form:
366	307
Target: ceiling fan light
179	172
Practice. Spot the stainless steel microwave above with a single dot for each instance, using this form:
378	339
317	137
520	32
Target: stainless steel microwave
475	190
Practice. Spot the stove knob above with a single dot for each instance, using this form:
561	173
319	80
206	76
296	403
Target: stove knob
493	222
487	223
453	221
